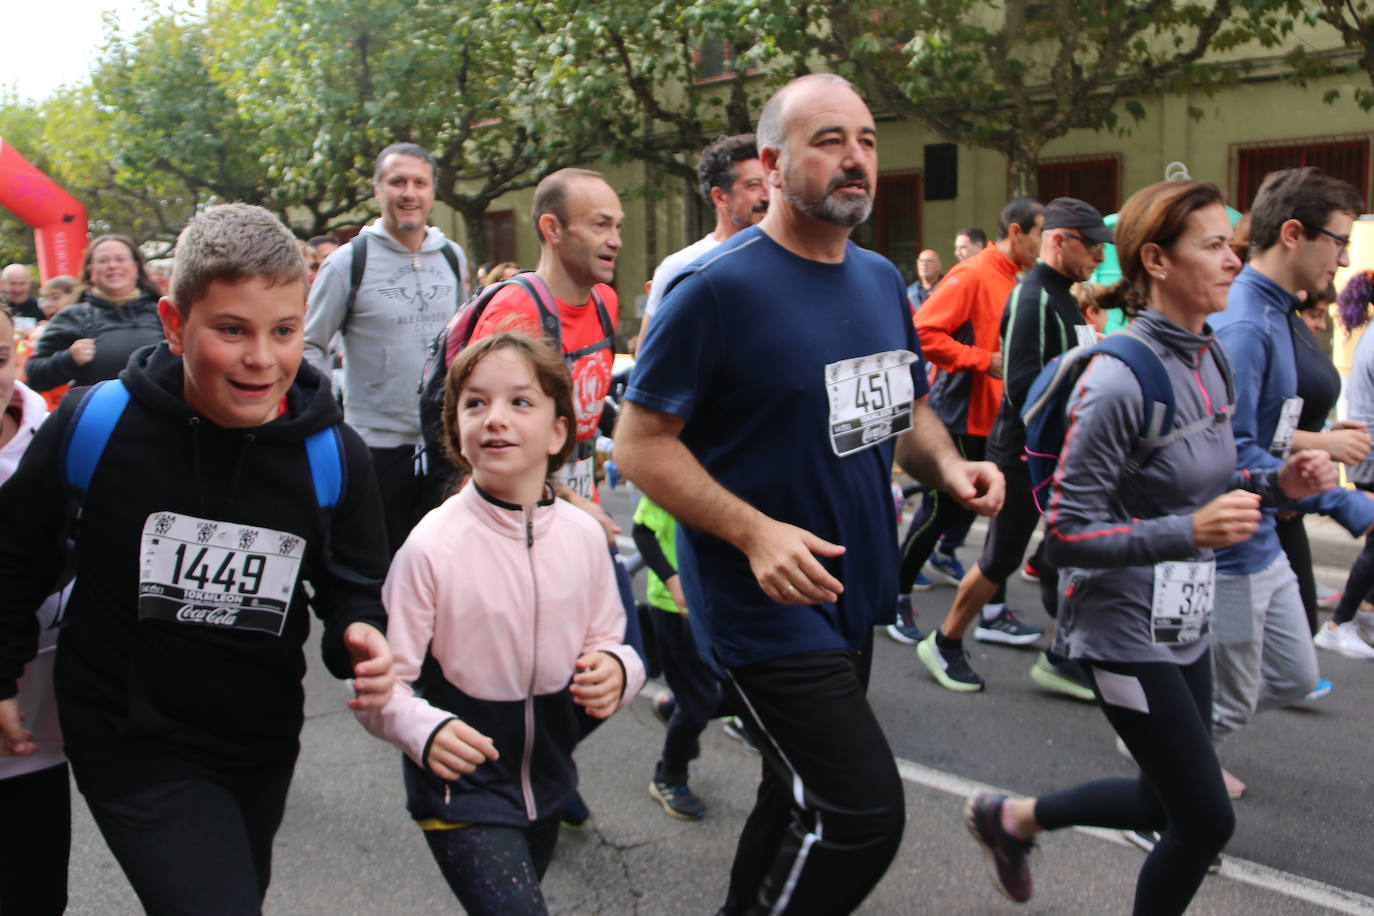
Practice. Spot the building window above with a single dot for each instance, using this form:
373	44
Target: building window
714	57
500	229
1346	158
1094	179
894	229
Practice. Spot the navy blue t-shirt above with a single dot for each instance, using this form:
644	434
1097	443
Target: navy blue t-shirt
745	350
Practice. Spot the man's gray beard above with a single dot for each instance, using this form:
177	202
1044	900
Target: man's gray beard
832	209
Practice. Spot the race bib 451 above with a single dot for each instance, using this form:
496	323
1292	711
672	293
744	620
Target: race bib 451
870	399
200	572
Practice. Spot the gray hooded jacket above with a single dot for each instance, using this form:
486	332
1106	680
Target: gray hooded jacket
404	300
1108	526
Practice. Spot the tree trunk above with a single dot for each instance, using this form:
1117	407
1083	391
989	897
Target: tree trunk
475	227
1023	167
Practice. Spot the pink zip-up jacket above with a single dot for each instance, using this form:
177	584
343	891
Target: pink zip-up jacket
489	605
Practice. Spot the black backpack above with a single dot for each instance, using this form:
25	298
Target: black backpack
457	334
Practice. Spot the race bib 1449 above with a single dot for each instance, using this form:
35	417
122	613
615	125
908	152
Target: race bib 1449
217	574
870	399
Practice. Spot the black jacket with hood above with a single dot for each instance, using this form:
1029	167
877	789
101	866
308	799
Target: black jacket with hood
118	331
142	701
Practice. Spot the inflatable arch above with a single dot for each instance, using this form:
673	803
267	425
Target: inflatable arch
60	232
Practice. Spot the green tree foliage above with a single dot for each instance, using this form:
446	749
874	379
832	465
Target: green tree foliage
1353	22
1015	74
338	80
632	73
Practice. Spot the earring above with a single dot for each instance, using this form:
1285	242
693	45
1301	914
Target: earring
1163	276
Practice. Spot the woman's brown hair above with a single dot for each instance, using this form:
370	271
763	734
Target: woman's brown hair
1156	214
550	372
145	283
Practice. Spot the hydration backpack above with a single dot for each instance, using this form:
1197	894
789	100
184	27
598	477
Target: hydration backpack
1046	410
458	333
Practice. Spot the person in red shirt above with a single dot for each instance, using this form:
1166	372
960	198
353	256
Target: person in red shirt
959	327
578	217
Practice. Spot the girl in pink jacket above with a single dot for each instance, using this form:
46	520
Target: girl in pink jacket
499	599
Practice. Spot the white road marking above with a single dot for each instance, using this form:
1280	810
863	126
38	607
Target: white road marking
1335	899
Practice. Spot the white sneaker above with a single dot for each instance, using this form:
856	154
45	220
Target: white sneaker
1327	598
1344	639
1364	622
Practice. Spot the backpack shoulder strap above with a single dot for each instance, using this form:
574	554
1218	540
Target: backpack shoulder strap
451	256
550	323
1156	390
89	432
607	327
356	269
324	450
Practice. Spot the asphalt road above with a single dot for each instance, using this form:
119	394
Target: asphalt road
1301	845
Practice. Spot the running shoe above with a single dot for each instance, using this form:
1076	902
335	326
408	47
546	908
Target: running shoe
1007	856
677	800
663	706
1328	598
1343	638
1066	677
1320	692
734	728
1146	840
922	583
1007	629
949	666
1029	572
575	812
903	629
1364	622
946	566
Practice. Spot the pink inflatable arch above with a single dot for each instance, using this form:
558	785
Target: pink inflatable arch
59	225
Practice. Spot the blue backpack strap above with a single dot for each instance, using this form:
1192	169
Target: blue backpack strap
324	450
1157	391
90	430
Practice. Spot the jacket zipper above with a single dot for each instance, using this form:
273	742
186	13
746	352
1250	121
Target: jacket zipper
526	788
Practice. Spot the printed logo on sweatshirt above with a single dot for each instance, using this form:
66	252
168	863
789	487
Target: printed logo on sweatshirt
201	572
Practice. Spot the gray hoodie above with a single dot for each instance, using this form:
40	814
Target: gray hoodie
403	301
1107	527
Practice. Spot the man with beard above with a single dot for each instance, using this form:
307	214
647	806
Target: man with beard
960	333
731	180
765	415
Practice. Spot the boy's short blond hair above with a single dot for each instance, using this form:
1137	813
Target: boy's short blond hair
233	242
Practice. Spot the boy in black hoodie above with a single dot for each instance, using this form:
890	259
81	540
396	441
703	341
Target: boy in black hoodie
178	673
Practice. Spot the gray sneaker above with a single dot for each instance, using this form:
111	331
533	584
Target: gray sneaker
678	800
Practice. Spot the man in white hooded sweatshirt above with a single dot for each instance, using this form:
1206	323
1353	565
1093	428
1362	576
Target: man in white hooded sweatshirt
413	280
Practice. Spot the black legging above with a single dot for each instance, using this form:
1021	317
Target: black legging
495	871
1360	584
1293	539
1179	791
940	512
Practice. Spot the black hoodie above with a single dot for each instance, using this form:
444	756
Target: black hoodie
146	700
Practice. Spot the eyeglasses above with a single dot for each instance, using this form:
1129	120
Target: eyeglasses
1094	247
1342	241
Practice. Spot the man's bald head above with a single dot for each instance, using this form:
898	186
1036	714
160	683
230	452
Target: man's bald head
773	122
17	282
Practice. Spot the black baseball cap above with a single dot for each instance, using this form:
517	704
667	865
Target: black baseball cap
1072	213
